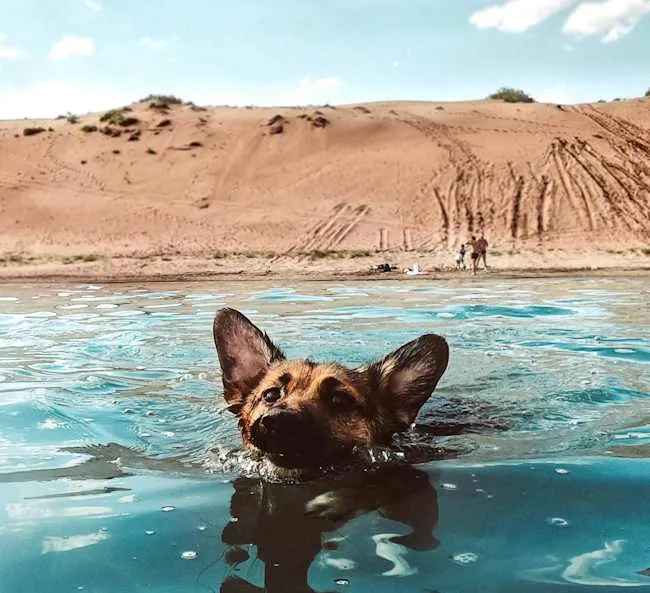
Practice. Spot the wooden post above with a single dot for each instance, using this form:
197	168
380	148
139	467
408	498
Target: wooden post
408	243
383	239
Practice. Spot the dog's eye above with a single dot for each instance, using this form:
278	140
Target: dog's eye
272	395
342	400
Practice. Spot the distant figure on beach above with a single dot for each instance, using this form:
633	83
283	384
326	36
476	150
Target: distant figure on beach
460	258
482	245
474	244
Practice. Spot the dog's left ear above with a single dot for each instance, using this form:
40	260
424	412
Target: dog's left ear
245	355
406	378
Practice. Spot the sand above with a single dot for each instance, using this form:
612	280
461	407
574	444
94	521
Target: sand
221	191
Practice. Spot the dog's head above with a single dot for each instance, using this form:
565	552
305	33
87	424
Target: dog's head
303	414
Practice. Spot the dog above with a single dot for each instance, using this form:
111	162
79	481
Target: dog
303	414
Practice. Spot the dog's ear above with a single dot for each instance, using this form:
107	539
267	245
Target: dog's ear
245	355
406	378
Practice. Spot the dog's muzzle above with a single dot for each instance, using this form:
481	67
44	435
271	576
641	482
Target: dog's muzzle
293	439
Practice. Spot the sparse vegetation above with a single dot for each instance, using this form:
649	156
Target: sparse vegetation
116	117
162	102
165	123
647	93
88	128
320	122
151	151
195	144
510	95
112	132
72	118
33	131
169	99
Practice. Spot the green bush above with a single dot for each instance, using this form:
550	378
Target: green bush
72	118
647	93
33	131
89	129
169	99
510	95
116	117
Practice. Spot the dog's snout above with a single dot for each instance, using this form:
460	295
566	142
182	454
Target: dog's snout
282	431
279	421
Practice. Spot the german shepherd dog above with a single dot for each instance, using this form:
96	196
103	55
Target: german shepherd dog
303	415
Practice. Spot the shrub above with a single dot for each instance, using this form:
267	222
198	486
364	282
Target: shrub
33	131
89	129
169	99
151	151
72	118
116	117
510	95
647	93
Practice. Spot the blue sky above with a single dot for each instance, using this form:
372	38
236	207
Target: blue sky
81	55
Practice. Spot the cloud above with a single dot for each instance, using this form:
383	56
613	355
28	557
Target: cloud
152	44
94	4
70	46
517	16
9	52
54	97
74	542
612	19
313	90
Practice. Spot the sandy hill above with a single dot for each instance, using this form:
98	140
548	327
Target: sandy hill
190	180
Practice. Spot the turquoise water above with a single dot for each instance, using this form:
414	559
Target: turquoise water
121	470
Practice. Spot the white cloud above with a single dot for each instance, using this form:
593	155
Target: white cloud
517	16
52	98
70	46
156	45
74	542
612	19
94	4
320	90
9	52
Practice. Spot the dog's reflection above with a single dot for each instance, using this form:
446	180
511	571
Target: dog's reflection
288	523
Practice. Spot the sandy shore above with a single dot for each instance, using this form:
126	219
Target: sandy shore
182	191
337	266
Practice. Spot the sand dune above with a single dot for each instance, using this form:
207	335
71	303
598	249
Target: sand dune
532	176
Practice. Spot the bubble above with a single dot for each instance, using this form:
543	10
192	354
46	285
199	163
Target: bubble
465	558
557	522
202	527
449	486
150	532
167	508
562	471
189	555
342	582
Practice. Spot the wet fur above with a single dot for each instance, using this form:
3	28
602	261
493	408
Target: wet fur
326	410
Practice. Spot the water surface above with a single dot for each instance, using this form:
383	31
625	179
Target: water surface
121	470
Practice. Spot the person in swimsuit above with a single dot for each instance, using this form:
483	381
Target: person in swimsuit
475	254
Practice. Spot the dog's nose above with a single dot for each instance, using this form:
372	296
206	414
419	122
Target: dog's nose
281	431
279	421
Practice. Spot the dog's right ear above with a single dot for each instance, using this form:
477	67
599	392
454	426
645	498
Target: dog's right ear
245	355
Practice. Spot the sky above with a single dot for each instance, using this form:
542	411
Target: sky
59	56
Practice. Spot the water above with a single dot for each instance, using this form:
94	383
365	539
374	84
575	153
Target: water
121	470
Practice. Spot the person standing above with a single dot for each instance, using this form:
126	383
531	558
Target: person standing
482	245
460	257
475	254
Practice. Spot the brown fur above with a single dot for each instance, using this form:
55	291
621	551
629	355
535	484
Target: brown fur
300	413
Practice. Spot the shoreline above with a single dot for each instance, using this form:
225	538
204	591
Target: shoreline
31	275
